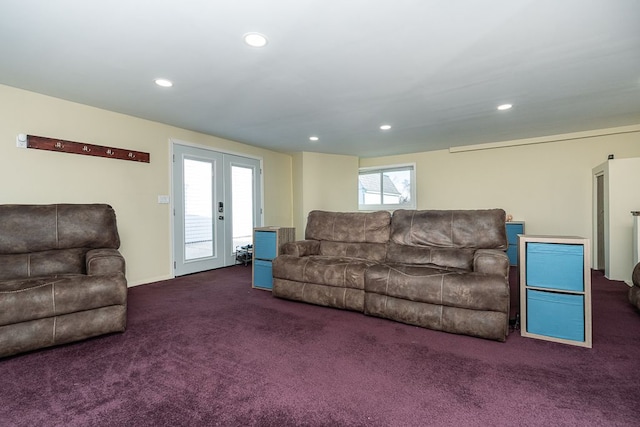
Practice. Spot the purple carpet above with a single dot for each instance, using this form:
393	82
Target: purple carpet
207	350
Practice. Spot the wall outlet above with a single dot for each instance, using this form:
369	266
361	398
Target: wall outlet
163	200
21	140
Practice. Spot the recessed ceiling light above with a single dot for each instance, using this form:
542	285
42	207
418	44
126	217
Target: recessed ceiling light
385	127
163	82
313	138
504	107
255	39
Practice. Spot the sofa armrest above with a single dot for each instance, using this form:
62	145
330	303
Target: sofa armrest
301	248
104	261
491	261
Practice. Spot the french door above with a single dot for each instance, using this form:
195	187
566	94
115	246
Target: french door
217	203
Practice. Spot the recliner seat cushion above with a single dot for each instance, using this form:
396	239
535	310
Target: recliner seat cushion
329	296
478	323
62	329
434	285
322	270
36	298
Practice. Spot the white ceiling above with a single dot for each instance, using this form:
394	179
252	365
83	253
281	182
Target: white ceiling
433	69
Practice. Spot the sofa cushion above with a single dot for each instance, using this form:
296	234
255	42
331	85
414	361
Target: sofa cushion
313	293
368	251
371	227
634	291
36	228
493	325
446	257
434	285
322	270
301	248
33	334
476	229
37	298
46	263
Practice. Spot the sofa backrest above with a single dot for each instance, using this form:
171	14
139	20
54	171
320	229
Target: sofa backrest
470	229
351	227
361	235
36	228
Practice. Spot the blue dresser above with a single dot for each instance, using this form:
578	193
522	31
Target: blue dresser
267	242
513	229
555	289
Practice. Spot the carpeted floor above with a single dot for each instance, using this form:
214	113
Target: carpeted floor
207	350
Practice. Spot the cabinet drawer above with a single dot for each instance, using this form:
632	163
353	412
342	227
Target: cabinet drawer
512	232
265	245
555	315
512	253
262	274
557	266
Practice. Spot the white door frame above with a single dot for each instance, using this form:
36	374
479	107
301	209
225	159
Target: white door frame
229	162
172	143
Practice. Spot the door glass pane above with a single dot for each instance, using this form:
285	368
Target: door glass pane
242	202
198	209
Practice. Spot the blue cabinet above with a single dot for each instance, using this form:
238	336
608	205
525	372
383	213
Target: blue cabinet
555	289
267	242
556	266
555	314
513	229
262	274
265	246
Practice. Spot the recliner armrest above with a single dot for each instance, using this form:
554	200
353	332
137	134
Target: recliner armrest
301	248
104	261
491	261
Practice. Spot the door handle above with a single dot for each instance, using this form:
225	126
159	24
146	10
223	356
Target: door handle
220	217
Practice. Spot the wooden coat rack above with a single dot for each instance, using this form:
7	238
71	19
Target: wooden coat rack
51	144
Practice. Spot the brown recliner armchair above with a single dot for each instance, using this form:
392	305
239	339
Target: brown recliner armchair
62	278
634	292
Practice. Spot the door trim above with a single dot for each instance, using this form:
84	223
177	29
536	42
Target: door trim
172	143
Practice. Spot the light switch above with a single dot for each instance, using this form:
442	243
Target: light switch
163	200
21	140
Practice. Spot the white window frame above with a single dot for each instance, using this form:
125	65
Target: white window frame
411	167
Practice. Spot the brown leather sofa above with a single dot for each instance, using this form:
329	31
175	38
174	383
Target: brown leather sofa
443	270
61	275
634	292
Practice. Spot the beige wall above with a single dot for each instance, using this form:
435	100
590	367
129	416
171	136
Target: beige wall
34	176
298	194
324	182
547	184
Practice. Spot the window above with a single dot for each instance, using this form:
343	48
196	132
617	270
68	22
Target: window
387	187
